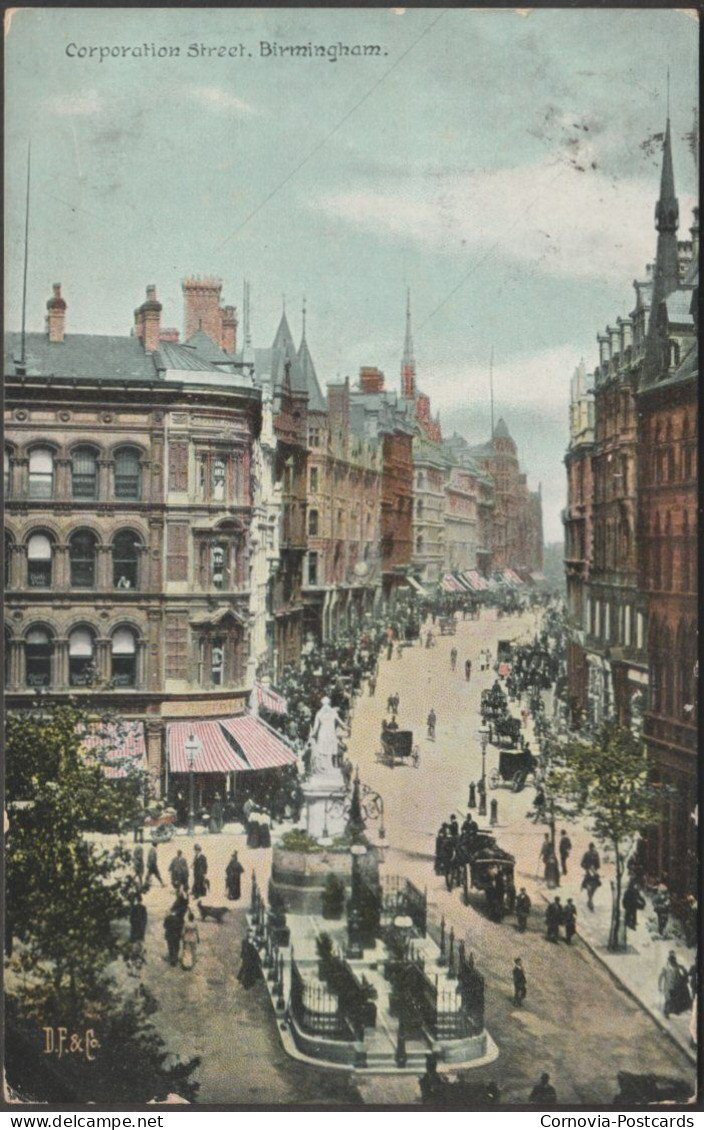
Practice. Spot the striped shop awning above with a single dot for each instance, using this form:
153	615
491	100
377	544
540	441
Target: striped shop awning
512	577
238	744
257	743
121	744
270	700
476	580
450	584
216	753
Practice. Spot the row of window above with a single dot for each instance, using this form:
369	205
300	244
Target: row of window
40	652
82	555
614	624
84	474
673	681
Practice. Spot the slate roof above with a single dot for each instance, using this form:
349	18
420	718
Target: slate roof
208	349
679	307
83	356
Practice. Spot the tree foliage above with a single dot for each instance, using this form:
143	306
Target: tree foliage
608	781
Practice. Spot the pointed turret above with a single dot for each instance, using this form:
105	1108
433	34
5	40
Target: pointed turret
316	401
408	364
666	271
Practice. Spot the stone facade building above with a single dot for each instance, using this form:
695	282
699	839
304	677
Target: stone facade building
128	494
578	522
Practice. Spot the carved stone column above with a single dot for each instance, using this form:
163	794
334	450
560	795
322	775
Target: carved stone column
61	662
152	657
156	753
16	673
20	479
18	568
62	486
104	494
154	559
104	576
61	567
103	656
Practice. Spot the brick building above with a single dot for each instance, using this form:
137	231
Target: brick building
578	522
128	495
667	530
377	414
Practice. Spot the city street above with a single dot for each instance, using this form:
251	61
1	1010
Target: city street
577	1023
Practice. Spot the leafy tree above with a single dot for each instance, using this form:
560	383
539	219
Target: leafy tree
65	892
609	781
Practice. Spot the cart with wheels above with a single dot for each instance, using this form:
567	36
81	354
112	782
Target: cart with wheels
398	748
515	767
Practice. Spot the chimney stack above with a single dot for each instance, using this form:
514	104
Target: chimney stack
228	337
147	321
371	379
56	317
339	415
202	307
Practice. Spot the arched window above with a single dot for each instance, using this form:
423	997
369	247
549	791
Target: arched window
125	560
419	508
84	472
419	544
39	561
7	484
313	523
667	556
671	464
124	657
82	555
41	473
81	657
656	544
39	648
128	477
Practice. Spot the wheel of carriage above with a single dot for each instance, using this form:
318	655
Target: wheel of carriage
519	781
415	756
494	779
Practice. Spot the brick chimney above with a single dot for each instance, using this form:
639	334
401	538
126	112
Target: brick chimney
339	415
228	336
147	321
56	316
371	379
201	298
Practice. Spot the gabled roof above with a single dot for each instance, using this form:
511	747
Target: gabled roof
85	356
191	357
208	349
283	350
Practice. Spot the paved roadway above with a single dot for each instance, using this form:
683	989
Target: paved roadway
576	1023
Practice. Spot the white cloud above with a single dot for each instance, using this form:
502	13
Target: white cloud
218	99
76	105
562	221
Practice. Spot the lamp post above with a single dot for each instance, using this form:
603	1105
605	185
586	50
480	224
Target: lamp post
355	948
403	925
483	735
192	746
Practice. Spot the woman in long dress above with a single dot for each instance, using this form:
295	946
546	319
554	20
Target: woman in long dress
190	939
233	878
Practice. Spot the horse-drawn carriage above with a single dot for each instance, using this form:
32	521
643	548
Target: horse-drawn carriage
515	766
493	704
505	732
397	748
491	870
448	626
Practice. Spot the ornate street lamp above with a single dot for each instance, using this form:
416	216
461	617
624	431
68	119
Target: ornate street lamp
483	735
355	948
192	746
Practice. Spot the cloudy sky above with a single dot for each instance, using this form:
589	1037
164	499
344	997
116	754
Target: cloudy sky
502	165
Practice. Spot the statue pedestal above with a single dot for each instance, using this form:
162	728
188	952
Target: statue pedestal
324	795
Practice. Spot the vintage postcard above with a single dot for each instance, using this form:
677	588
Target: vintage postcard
350	571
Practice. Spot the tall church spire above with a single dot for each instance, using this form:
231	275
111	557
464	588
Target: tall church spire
666	271
408	364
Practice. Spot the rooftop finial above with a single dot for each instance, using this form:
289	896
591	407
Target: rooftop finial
408	363
283	302
668	93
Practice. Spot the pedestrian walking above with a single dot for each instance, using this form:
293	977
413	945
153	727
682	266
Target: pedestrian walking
523	905
190	940
390	649
591	883
547	856
633	901
564	848
468	669
138	863
250	969
432	719
178	870
201	883
172	931
520	985
453	659
674	986
553	917
590	859
372	685
138	920
233	878
153	865
543	1093
569	915
662	906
